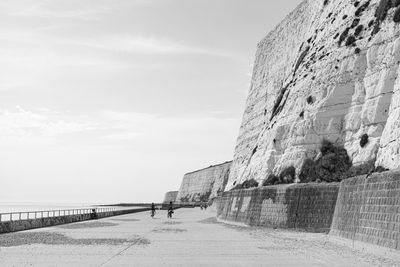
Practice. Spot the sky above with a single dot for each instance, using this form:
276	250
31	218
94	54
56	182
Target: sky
109	101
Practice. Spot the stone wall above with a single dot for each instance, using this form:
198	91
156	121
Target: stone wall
21	225
170	196
301	206
205	184
307	85
368	210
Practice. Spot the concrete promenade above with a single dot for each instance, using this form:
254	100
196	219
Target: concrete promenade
191	238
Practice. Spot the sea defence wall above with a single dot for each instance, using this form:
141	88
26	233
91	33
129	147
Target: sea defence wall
368	209
170	196
204	184
298	206
329	70
21	225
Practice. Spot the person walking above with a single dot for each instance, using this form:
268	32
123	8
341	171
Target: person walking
93	215
153	210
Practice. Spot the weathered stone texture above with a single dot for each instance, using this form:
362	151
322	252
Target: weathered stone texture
305	206
307	87
170	196
205	184
368	209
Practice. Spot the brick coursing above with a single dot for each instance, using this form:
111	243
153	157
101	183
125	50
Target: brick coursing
301	206
368	209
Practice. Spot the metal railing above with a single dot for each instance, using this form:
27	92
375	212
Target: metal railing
27	215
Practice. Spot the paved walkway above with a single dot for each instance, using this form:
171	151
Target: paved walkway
191	238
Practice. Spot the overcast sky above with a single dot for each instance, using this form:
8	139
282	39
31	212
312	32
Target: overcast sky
114	100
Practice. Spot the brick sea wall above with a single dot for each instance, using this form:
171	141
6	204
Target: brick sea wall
368	210
21	225
302	206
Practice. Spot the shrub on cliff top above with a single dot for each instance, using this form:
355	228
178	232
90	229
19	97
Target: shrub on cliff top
326	147
250	184
380	169
287	175
362	169
272	179
330	166
308	171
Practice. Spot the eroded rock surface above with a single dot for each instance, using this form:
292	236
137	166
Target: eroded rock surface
329	70
205	184
170	196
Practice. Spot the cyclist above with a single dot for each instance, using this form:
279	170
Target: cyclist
170	210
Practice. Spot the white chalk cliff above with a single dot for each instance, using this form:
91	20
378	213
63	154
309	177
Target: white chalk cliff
205	184
329	70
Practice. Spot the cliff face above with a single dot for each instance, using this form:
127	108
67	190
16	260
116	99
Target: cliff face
170	196
329	70
205	184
